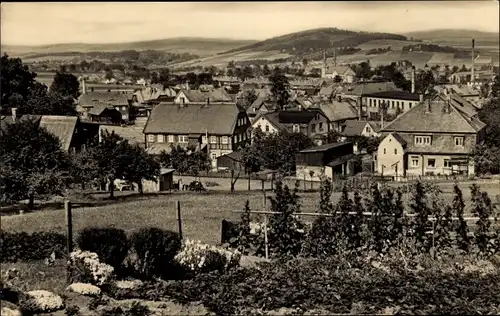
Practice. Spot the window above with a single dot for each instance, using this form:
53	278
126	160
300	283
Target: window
117	108
385	151
214	156
409	105
431	163
254	110
402	105
320	126
459	141
213	139
395	151
124	108
379	102
447	163
367	129
392	104
296	128
225	140
161	138
397	103
183	139
170	138
151	138
414	161
203	139
259	126
267	128
370	102
313	127
422	140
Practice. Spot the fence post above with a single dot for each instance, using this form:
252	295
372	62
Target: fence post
69	238
265	230
179	218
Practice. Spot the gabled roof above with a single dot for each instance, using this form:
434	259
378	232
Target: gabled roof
192	119
324	147
63	127
363	88
215	95
338	111
419	119
103	98
98	109
376	126
398	95
132	133
460	103
338	69
399	139
462	90
282	120
354	127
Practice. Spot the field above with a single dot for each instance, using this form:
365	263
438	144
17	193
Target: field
201	213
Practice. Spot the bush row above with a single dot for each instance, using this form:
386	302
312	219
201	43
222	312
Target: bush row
436	227
21	246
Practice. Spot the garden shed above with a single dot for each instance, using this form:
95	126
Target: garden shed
165	182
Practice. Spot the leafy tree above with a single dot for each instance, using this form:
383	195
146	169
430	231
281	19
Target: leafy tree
482	208
33	163
41	102
280	89
16	81
305	62
109	75
495	87
249	97
84	168
285	238
420	208
111	155
185	160
425	82
266	70
198	161
65	84
462	231
139	165
389	72
251	161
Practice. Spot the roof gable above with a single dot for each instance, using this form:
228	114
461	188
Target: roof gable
192	119
419	119
338	111
63	127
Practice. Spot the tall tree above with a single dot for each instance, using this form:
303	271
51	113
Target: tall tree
65	84
33	163
280	88
41	102
16	81
139	165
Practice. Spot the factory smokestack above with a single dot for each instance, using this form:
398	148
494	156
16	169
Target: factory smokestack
472	76
412	79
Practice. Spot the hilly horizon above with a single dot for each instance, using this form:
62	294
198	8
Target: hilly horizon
457	37
175	44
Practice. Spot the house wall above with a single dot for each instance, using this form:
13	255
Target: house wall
369	132
390	152
262	123
314	126
419	165
302	171
404	105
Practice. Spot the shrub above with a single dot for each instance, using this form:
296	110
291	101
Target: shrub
155	249
40	301
21	246
201	258
110	244
72	310
86	268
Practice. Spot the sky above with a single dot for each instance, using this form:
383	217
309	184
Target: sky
44	23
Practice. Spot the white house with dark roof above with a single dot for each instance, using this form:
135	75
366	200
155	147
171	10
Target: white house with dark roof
218	128
196	96
433	137
393	100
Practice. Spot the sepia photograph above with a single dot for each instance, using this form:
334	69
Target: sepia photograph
250	158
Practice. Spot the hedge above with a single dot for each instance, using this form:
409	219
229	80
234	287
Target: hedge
21	246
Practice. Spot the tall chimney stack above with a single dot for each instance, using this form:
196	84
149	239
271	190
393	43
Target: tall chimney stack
472	77
412	79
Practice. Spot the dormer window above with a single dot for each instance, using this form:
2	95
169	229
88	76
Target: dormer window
423	140
296	128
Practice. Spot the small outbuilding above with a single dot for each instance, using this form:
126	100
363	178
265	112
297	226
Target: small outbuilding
165	182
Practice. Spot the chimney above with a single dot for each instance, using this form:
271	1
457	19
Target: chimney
412	79
14	114
421	98
472	77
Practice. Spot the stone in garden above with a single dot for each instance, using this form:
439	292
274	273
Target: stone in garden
41	301
84	289
10	312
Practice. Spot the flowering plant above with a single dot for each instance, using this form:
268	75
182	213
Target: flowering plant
198	257
84	289
41	301
88	268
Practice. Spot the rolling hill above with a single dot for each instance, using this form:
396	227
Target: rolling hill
198	46
306	42
458	37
